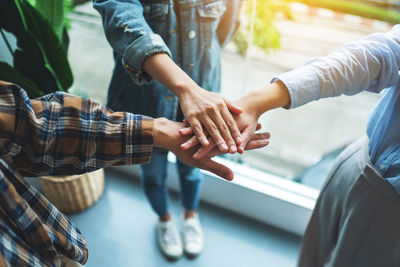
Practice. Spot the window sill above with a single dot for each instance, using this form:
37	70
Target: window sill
261	196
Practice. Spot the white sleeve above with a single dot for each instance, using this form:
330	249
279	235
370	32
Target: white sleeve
371	64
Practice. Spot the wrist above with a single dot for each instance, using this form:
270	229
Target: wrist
183	87
160	134
252	104
273	96
280	94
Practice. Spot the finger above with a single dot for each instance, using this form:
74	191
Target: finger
233	108
186	131
198	131
260	136
214	133
192	142
255	144
247	134
216	168
214	152
258	140
202	151
232	125
224	130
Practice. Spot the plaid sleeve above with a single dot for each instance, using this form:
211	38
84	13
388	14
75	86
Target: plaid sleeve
64	134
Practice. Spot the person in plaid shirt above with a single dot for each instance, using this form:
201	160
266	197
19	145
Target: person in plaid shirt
63	134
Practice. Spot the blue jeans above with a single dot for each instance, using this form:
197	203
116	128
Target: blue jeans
154	175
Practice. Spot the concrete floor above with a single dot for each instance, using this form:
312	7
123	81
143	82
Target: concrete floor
120	231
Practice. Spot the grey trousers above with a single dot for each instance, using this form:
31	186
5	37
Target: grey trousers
356	221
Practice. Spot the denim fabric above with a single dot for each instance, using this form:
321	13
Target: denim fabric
154	176
191	32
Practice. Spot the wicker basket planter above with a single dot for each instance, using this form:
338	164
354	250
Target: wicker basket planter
73	193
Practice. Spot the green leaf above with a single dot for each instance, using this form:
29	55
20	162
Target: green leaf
10	18
29	60
9	74
53	11
54	55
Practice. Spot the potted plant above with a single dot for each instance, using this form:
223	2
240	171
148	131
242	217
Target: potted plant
40	66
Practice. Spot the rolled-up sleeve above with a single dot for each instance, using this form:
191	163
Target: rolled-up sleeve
371	64
61	134
129	35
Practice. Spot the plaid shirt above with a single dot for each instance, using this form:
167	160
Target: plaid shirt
55	134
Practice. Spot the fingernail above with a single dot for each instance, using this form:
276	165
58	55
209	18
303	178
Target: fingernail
205	141
233	149
195	155
238	139
224	147
241	148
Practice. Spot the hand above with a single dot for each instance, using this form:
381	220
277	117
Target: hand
258	140
254	105
247	123
211	110
166	135
201	107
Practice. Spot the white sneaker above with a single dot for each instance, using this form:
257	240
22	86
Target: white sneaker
192	236
169	239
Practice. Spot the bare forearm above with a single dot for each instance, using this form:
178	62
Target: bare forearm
163	69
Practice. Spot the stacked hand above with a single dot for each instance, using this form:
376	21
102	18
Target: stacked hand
253	106
211	111
247	123
200	107
167	136
229	127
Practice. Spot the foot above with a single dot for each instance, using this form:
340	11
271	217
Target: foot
192	235
169	239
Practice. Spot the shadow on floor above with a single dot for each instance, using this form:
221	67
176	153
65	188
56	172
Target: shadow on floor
120	231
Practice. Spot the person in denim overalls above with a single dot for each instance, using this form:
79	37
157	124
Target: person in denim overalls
178	44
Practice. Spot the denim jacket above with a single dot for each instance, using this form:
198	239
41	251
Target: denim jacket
191	32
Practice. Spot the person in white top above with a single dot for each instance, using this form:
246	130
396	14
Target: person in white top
356	221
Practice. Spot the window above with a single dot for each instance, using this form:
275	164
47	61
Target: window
302	137
267	184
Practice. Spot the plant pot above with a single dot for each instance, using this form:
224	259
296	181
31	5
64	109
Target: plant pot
73	193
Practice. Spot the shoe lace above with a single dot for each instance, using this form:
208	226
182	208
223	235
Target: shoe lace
169	236
191	233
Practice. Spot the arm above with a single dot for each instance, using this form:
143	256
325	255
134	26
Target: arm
63	134
129	35
146	57
371	64
60	134
200	107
